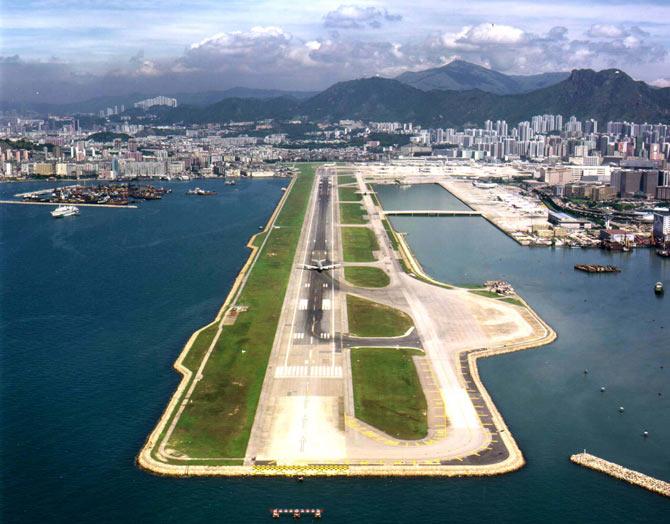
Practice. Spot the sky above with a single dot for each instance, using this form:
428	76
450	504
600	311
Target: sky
67	50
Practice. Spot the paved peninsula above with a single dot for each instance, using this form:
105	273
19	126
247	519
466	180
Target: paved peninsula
365	368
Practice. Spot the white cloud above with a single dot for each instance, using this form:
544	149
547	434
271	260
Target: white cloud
358	17
260	46
605	31
484	34
661	82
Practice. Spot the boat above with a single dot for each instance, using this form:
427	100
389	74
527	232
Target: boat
665	253
229	183
658	288
596	268
65	211
200	192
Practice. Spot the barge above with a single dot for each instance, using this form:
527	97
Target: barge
596	268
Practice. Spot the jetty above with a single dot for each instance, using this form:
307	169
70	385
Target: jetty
431	213
614	470
31	203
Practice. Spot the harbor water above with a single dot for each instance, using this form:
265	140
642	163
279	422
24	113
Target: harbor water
95	309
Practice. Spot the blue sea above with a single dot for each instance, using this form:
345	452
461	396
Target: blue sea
95	309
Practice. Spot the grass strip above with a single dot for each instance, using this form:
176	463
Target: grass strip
485	293
390	233
352	214
388	393
350	194
358	244
346	179
366	276
372	319
514	301
218	419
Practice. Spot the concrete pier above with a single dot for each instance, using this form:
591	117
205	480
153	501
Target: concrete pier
614	470
29	203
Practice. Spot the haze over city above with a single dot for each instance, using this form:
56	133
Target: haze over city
65	51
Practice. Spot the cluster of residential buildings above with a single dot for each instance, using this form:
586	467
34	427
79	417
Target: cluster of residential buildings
577	159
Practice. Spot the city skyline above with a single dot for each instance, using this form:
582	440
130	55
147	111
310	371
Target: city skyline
55	52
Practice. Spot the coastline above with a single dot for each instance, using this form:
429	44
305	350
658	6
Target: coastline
152	457
545	336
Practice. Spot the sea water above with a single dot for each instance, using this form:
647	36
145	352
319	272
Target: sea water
95	309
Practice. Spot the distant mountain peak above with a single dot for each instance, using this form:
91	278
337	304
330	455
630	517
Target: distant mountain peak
460	75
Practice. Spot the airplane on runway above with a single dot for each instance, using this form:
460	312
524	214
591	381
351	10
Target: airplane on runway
320	266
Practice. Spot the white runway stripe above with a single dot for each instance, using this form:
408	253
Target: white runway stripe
302	305
308	372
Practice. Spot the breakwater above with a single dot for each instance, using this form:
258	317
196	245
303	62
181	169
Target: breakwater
614	470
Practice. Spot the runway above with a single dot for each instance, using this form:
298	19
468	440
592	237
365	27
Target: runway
300	415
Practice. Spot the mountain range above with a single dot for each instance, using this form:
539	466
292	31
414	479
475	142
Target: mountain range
462	76
457	94
201	99
605	95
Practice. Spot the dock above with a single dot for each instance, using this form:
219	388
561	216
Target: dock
432	213
30	203
614	470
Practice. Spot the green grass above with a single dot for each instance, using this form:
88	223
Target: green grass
218	419
352	214
514	301
350	194
485	293
358	243
391	234
366	276
346	179
387	391
371	319
199	348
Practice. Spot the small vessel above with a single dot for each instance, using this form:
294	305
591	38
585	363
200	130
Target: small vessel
229	183
596	268
65	211
665	253
658	288
200	192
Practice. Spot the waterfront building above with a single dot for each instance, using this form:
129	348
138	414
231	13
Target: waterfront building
661	227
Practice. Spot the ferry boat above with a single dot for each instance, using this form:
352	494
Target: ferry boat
200	192
658	288
65	211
